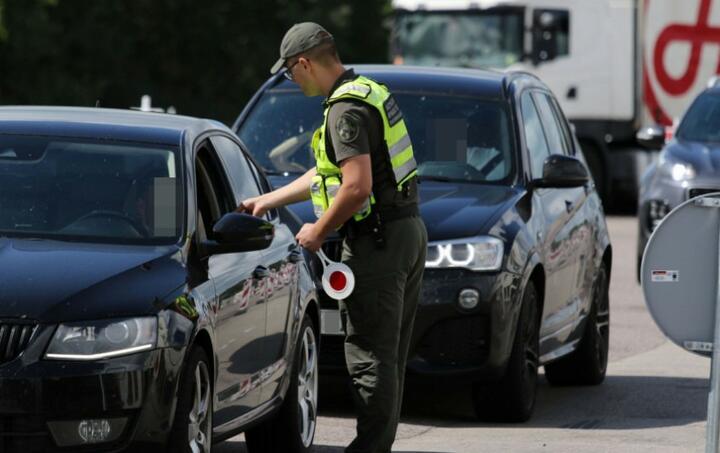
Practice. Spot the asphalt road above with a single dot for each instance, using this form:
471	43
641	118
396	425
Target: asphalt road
653	400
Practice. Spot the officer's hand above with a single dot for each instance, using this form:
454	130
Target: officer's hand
310	237
255	206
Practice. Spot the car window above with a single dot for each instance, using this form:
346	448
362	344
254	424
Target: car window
454	137
701	120
214	196
534	137
551	127
90	190
242	179
564	127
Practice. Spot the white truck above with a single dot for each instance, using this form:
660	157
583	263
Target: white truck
614	65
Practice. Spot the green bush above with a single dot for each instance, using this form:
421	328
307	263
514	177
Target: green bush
204	58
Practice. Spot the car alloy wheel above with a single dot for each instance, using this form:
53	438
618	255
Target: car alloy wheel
199	426
307	387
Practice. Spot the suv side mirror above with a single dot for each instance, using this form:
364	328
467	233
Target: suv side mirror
238	232
561	171
651	137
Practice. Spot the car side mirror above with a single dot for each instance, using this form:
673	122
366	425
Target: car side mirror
239	232
651	137
561	171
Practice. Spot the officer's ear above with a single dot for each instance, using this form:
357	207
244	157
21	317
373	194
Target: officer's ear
304	62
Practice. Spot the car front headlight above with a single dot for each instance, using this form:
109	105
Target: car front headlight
95	340
483	253
678	171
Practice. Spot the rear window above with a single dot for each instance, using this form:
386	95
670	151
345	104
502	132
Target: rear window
454	137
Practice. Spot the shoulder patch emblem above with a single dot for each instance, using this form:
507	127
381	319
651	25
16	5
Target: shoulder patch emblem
347	128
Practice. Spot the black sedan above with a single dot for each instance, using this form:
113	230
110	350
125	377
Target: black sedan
137	309
519	256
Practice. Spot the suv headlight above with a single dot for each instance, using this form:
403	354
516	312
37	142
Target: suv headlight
483	253
95	340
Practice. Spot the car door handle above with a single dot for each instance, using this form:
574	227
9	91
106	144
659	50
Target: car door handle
260	273
569	205
295	256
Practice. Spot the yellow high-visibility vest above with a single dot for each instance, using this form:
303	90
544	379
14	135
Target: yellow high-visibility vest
327	181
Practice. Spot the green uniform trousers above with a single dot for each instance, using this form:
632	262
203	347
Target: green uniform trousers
378	318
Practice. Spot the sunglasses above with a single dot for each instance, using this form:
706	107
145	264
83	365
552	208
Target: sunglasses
288	71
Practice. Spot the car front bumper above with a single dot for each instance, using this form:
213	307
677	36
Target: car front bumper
447	339
43	402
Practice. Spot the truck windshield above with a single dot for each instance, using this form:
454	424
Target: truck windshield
455	138
490	38
700	123
97	191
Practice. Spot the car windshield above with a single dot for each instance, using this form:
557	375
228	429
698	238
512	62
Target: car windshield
454	138
702	120
89	191
491	38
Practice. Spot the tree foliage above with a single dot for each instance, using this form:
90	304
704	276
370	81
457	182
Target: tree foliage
205	58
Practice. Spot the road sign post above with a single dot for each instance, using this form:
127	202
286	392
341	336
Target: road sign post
681	282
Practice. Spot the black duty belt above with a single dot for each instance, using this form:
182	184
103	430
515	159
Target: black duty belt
375	223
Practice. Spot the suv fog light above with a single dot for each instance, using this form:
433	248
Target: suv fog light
469	298
86	432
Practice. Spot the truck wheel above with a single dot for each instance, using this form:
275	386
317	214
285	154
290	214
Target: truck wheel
192	427
292	430
513	398
588	364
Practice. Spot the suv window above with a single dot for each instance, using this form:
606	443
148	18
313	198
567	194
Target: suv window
534	136
550	124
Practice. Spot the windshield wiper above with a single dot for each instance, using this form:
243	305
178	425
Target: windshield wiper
439	178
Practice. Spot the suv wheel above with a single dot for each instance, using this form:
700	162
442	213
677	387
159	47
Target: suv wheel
292	430
513	398
588	364
192	427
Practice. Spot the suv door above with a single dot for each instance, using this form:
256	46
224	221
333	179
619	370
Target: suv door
558	206
240	315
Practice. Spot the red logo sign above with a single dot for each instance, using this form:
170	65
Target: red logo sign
696	35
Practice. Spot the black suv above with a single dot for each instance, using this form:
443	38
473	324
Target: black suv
137	310
519	256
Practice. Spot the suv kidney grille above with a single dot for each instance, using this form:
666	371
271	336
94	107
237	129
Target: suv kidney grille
14	338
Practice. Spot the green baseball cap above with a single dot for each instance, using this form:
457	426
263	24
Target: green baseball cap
300	38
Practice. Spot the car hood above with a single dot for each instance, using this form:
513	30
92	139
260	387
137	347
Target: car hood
449	210
51	281
704	157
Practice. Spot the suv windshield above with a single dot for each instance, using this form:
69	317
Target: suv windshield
491	38
66	189
454	138
701	121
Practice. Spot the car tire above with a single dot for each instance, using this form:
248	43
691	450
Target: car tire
192	427
292	429
512	399
587	365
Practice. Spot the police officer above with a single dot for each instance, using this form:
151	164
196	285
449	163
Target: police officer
364	185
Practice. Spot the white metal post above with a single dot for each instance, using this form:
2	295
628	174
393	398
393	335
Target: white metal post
713	428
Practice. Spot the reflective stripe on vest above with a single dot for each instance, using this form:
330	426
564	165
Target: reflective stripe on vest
395	134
